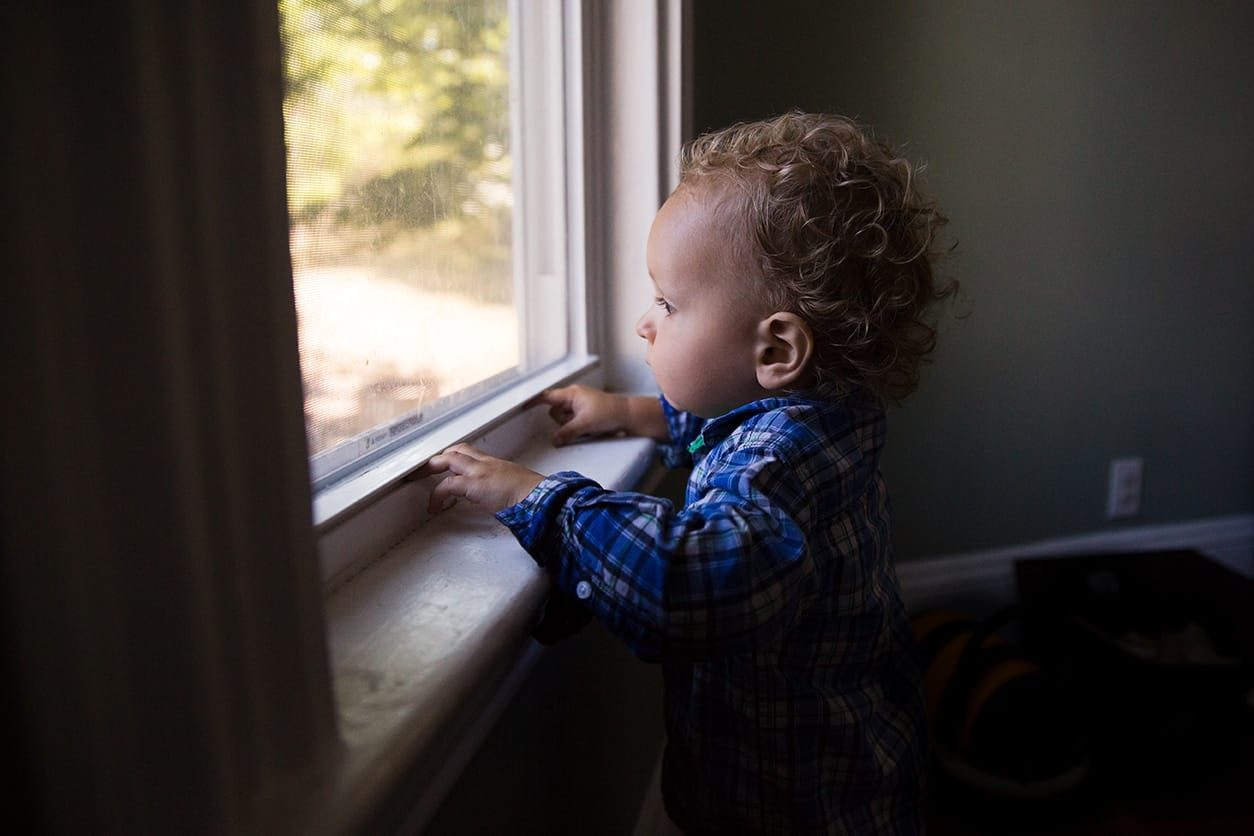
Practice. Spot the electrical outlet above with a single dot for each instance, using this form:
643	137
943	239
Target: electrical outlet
1123	490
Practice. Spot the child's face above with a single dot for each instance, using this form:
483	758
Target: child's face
702	327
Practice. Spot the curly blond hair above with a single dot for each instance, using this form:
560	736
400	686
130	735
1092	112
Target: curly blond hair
842	235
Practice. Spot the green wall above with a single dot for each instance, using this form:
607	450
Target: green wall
1094	159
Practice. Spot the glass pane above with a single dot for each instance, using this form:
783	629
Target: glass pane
400	194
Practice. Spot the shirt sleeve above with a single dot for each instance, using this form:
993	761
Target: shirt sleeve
724	572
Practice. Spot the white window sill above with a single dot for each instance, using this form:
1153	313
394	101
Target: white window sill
341	499
428	642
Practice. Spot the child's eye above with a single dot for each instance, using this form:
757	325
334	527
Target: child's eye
664	305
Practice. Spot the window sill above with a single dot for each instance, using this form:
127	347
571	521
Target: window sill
339	500
428	643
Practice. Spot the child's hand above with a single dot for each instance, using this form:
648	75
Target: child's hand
582	410
493	484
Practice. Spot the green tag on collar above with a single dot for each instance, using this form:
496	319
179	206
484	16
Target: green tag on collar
697	444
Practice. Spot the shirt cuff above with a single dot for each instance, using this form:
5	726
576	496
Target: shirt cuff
534	520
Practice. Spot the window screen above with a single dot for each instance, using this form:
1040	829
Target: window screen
401	197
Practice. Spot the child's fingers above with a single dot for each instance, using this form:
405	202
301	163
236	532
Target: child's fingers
490	483
445	492
555	397
549	397
439	463
560	403
467	451
463	464
458	459
462	469
566	433
461	459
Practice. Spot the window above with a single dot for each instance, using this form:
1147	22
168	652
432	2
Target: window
153	430
427	149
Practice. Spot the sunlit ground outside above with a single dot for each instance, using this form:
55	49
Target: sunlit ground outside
396	115
375	348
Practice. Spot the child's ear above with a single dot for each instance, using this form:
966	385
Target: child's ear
785	344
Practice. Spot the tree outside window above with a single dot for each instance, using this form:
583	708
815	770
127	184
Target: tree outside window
400	197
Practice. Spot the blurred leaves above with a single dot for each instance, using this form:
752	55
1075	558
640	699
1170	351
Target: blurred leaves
397	111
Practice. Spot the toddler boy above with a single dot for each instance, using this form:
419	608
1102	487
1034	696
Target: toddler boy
792	271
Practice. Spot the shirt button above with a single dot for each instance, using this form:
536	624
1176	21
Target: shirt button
583	590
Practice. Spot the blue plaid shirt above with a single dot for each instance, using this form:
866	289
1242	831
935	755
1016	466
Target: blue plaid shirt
792	685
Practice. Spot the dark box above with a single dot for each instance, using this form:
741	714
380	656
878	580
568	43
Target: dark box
1156	650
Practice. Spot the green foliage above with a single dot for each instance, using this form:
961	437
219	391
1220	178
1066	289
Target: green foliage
396	111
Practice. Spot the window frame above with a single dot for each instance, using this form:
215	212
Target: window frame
336	503
547	122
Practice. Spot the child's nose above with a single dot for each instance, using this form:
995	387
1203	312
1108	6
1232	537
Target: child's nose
644	326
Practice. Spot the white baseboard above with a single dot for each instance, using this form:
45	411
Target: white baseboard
985	580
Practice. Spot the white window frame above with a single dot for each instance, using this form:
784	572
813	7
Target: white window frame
546	118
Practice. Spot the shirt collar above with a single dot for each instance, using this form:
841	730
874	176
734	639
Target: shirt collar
716	429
